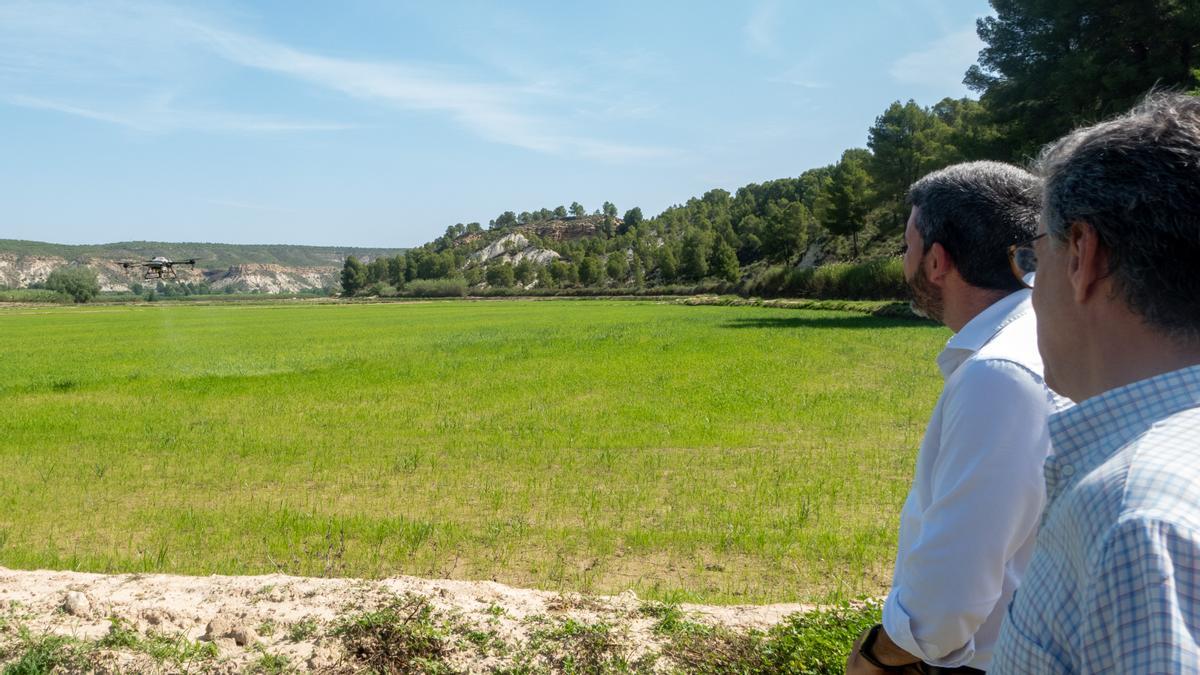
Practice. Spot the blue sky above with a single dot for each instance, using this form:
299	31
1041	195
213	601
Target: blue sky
373	123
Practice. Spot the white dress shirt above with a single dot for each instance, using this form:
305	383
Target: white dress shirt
968	525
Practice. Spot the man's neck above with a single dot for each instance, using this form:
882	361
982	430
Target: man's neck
1129	352
967	302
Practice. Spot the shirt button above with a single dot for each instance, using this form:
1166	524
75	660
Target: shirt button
1067	470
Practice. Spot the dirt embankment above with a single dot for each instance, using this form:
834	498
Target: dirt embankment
275	623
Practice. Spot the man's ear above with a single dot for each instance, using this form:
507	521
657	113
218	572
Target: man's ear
1087	260
937	264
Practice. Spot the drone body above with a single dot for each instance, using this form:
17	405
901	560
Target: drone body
158	267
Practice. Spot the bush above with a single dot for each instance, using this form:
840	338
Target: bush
881	279
381	289
401	637
81	283
34	295
501	276
872	280
436	288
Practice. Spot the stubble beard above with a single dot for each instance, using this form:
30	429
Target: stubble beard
927	299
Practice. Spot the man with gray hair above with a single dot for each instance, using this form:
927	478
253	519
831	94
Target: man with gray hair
1114	583
968	525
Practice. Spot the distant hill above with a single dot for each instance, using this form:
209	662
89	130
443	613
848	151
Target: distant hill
227	268
208	255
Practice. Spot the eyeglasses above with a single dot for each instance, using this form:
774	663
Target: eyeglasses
1022	258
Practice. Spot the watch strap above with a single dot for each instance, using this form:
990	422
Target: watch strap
867	650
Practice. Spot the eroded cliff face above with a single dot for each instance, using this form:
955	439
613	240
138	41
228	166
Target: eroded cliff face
18	271
21	271
266	278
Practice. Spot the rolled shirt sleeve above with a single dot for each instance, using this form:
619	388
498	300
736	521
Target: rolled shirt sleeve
986	496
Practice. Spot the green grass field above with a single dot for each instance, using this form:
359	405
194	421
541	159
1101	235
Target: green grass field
716	454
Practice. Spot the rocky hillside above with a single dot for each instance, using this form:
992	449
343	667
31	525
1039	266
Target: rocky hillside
568	229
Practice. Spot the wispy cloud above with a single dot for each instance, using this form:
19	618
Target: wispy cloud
942	64
489	110
159	116
759	28
484	108
500	112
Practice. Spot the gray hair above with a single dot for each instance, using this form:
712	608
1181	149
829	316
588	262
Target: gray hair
975	211
1136	180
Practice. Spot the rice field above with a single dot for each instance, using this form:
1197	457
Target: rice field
711	454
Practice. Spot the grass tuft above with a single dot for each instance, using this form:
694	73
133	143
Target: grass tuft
44	654
302	630
161	647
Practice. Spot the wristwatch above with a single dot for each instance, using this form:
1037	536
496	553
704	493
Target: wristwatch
867	650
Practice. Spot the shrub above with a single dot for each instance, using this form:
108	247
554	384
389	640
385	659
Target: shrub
436	288
81	283
34	295
881	279
501	276
401	637
381	289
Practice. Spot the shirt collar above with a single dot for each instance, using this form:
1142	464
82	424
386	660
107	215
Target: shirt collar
1087	434
982	328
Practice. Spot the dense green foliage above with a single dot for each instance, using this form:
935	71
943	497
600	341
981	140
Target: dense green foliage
1052	65
81	283
727	454
873	280
354	276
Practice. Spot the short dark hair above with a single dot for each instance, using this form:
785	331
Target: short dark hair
1135	179
976	210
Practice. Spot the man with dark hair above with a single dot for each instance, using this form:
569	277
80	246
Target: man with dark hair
1114	583
968	525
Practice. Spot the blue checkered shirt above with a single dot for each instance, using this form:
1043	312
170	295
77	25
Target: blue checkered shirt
1114	583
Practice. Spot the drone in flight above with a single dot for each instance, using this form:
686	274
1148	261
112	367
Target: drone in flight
158	267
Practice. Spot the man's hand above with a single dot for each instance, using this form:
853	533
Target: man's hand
856	664
886	651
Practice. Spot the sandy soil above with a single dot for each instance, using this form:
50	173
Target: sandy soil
252	618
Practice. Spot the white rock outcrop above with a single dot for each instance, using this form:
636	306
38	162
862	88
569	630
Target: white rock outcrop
271	278
513	248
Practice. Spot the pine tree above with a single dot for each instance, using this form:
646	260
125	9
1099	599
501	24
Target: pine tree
354	276
724	262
